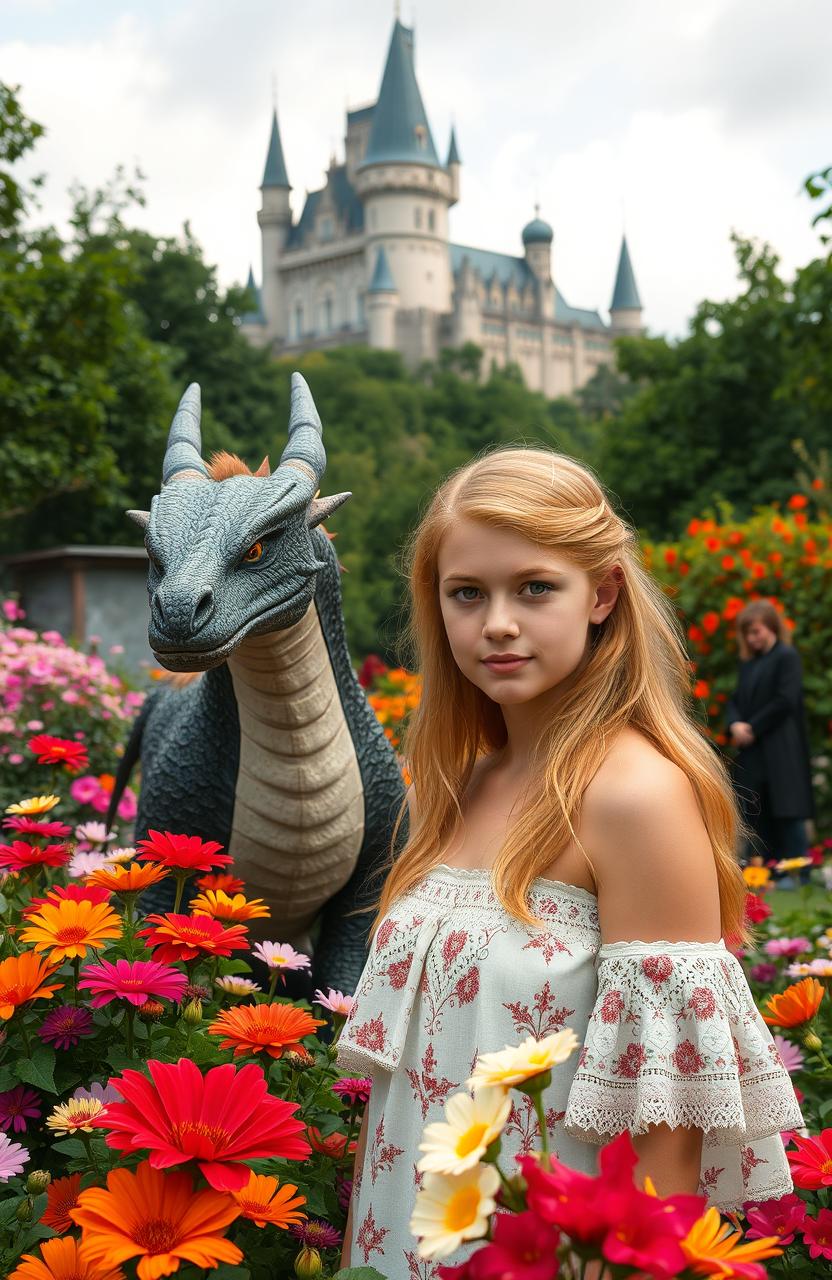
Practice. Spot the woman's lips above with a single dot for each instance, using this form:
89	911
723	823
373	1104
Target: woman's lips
513	665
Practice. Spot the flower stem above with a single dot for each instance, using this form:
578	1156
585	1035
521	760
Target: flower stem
128	1029
273	981
85	1138
537	1099
180	889
76	969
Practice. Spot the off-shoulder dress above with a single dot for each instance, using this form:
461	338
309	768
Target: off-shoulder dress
670	1033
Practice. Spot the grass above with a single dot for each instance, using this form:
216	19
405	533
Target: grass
811	900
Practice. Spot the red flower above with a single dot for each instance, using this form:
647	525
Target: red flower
523	1245
179	938
75	892
72	755
811	1163
713	544
333	1145
733	606
220	1120
756	909
710	622
671	555
702	689
371	667
33	827
221	880
178	852
20	856
797	502
781	1218
728	562
817	1234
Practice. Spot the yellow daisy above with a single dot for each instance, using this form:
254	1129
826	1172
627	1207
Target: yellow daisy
756	877
37	804
470	1127
77	1113
452	1209
518	1063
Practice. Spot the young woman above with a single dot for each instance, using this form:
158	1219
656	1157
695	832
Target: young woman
570	863
767	723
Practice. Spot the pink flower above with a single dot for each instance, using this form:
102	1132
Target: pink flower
279	955
12	610
12	1158
95	832
764	973
787	946
335	1001
316	1233
84	789
65	1026
781	1218
18	1105
353	1089
127	806
790	1055
817	1234
133	980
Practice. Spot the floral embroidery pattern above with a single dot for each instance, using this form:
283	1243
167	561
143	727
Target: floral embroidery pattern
370	1236
372	1035
427	1089
657	968
382	1154
687	1058
630	1062
749	1161
545	1018
709	1178
549	945
522	1121
419	1268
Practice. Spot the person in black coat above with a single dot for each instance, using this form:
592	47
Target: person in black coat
766	721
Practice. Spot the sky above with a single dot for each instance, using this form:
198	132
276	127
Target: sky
677	123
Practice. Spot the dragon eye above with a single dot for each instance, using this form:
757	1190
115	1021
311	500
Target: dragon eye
253	554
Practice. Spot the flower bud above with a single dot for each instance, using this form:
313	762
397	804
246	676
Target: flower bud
813	1041
24	1210
308	1263
535	1084
37	1181
300	1058
151	1011
192	1013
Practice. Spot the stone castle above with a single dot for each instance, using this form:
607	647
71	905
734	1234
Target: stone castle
370	259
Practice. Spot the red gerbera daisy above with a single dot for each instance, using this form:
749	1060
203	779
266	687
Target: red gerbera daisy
221	880
21	856
220	1120
61	1196
179	938
33	827
187	853
74	892
811	1162
72	755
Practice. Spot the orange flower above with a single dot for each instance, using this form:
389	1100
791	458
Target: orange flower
701	689
64	1260
712	1246
710	622
794	1006
817	483
255	1028
713	544
217	903
130	879
733	606
333	1145
67	928
728	562
61	1196
797	502
694	527
158	1218
261	1202
23	978
671	555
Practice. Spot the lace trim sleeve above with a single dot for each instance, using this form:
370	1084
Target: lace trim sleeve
675	1038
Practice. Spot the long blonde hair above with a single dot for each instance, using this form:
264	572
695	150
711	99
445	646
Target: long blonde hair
636	674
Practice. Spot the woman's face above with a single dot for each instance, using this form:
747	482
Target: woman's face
759	637
502	594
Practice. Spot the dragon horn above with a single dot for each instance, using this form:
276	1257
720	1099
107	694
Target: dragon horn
305	449
183	457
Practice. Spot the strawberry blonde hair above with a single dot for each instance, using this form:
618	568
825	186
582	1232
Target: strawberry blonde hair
636	674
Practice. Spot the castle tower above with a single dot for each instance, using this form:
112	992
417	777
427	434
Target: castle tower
405	191
275	219
625	308
537	246
382	304
453	164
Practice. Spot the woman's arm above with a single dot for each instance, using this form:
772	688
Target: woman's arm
359	1161
645	836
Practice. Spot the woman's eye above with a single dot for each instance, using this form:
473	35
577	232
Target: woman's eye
545	585
253	554
458	596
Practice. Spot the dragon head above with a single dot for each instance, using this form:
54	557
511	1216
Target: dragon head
234	558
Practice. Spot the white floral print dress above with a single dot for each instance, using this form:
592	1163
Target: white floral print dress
670	1034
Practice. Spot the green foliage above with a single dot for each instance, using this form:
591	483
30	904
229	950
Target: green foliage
18	135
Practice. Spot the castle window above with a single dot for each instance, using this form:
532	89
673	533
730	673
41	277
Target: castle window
326	228
431	220
327	325
417	216
298	321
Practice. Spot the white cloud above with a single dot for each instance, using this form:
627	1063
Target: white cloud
682	123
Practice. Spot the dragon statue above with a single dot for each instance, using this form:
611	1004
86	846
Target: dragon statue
274	750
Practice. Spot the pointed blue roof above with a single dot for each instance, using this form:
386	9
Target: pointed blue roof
625	294
274	174
453	150
400	131
382	281
254	316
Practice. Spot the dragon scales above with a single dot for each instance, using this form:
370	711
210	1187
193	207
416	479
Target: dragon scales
274	750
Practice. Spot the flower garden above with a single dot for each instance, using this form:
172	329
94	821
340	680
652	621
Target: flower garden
166	1109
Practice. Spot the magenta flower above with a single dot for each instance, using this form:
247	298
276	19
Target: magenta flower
787	946
781	1218
65	1026
353	1089
316	1233
34	827
133	980
18	1105
764	972
817	1234
84	789
790	1055
12	1158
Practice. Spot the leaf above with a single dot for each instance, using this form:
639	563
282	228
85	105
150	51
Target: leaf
8	1078
120	1060
225	1271
227	967
359	1273
72	1147
39	1070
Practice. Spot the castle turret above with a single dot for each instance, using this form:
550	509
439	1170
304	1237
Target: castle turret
404	189
537	245
453	164
382	303
275	219
625	308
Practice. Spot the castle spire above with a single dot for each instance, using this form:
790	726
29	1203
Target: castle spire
453	150
274	174
625	294
400	131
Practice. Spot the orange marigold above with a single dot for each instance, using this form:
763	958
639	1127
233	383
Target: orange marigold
64	1260
222	906
258	1028
24	978
261	1201
794	1006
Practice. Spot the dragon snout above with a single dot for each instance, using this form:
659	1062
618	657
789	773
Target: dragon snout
179	616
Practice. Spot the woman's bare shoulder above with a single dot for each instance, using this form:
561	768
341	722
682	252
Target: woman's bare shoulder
634	777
